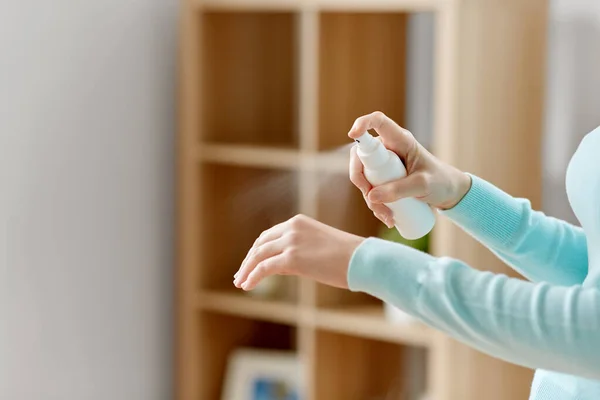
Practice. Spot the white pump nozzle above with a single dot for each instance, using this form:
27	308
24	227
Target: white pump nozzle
371	151
367	142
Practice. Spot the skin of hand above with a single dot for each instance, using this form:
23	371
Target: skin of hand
304	247
299	246
428	179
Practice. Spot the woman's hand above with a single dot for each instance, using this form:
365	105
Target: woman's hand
428	178
299	246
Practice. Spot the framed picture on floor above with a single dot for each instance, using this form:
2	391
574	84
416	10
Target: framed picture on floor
254	374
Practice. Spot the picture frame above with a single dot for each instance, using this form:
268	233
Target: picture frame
256	374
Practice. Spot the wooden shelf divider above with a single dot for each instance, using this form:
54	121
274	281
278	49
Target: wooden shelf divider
324	5
369	322
246	155
246	306
275	158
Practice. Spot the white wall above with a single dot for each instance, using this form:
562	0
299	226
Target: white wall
419	76
86	150
573	97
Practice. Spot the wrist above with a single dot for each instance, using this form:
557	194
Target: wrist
460	186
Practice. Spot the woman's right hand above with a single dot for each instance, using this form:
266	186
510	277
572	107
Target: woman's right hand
428	179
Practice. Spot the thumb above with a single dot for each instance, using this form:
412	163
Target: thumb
414	185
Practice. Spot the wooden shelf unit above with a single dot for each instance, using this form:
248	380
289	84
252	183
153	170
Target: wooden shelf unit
268	91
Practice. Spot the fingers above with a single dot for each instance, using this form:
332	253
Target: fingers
259	255
414	185
357	177
393	136
270	266
382	213
356	173
273	233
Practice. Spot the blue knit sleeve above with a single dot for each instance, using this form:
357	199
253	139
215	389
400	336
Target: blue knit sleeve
540	247
536	325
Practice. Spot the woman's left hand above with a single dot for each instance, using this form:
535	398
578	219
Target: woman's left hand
299	246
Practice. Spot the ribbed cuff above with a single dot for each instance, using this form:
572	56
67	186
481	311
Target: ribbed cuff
390	271
488	213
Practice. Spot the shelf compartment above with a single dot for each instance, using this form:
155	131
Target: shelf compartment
354	368
224	334
341	204
238	203
243	304
362	69
249	93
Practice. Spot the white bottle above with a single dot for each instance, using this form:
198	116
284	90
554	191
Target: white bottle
413	218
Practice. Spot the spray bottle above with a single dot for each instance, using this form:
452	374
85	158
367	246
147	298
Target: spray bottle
412	218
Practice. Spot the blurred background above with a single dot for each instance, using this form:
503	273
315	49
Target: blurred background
88	121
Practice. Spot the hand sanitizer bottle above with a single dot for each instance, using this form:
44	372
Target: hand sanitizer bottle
413	218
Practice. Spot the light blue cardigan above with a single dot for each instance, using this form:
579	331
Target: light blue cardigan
551	323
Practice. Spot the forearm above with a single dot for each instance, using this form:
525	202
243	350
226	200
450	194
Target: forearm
542	248
534	325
